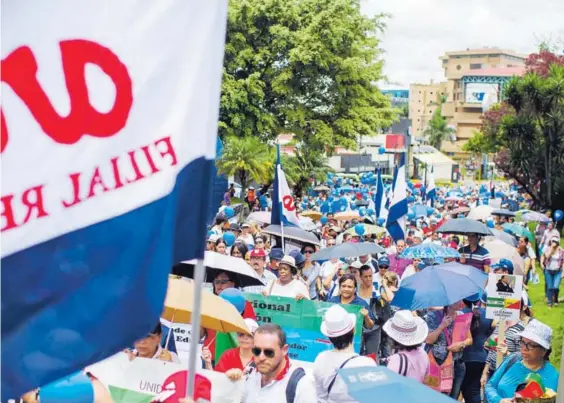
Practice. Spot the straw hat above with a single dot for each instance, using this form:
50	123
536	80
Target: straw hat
406	329
337	322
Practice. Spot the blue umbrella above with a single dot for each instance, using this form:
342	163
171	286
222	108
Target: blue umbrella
365	383
477	276
419	210
517	230
429	251
434	287
348	249
535	216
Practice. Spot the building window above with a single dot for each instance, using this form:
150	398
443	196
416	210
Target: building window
431	92
475	66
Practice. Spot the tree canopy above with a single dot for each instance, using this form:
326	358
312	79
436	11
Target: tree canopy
308	67
437	130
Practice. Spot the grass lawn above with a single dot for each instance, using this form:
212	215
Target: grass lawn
553	317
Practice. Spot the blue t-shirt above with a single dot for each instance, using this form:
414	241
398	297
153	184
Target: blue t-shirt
476	352
505	380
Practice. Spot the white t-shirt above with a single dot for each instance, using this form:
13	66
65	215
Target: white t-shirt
327	268
324	370
290	290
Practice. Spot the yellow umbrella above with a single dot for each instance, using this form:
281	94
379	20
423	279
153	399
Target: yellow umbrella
368	230
347	216
217	314
314	215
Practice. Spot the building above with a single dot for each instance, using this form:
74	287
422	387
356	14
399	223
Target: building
475	77
427	158
398	97
423	100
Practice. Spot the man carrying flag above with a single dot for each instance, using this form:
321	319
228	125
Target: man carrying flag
398	203
283	203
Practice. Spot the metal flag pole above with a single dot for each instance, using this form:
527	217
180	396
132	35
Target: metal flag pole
199	271
282	233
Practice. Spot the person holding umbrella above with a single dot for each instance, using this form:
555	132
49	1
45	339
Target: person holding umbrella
474	254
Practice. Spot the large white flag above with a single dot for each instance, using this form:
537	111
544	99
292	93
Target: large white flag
109	121
287	199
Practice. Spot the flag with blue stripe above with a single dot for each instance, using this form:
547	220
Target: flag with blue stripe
398	203
111	173
431	190
379	198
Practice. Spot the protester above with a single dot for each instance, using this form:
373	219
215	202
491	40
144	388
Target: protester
367	291
275	256
150	347
347	295
239	249
260	242
331	282
210	244
383	266
339	326
407	332
286	285
221	246
526	252
275	375
258	263
549	233
534	352
399	264
311	270
245	235
474	254
552	261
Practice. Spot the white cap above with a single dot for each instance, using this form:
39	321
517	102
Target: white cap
539	333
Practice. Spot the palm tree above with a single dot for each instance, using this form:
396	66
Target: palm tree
305	165
437	130
246	158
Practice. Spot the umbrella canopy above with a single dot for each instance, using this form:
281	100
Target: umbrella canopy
261	217
321	188
419	210
481	212
294	233
216	313
429	251
347	216
502	236
434	287
463	226
314	215
362	203
503	213
459	210
348	249
454	198
477	276
535	216
500	250
517	230
216	263
364	383
368	230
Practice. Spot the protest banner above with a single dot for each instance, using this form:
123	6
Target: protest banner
302	321
144	380
179	340
504	293
461	327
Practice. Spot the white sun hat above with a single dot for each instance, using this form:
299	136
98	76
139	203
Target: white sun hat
406	329
337	322
539	333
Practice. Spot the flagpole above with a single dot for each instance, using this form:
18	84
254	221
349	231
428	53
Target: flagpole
199	271
282	232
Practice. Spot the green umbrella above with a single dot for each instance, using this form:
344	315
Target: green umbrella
517	230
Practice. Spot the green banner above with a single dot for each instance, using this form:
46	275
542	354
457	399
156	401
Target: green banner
301	320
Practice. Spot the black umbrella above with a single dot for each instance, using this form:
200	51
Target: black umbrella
347	249
464	226
294	233
362	202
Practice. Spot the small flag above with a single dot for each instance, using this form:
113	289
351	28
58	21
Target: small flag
431	190
398	204
283	203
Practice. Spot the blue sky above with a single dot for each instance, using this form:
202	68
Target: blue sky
422	30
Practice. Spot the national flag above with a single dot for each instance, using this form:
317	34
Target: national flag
398	204
283	203
431	190
379	198
110	150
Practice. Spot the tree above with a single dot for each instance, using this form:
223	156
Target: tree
531	135
307	164
479	143
307	67
437	130
247	158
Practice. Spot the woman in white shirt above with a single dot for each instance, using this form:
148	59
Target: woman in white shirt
338	325
286	285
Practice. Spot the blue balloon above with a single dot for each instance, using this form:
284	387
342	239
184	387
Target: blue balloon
359	229
354	206
362	211
430	210
306	199
381	150
410	215
381	221
330	199
410	199
229	238
490	223
370	212
324	208
330	175
558	215
324	220
235	297
303	206
229	212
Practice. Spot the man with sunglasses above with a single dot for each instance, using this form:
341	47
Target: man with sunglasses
276	378
475	255
258	263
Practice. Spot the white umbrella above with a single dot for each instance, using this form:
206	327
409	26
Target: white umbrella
261	217
481	212
500	250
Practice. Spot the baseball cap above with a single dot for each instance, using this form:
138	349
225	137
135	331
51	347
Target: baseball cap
298	257
506	264
258	253
384	261
276	254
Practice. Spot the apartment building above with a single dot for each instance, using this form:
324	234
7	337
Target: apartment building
423	100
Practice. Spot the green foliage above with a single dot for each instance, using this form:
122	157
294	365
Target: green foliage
532	135
248	158
479	144
306	67
307	164
437	130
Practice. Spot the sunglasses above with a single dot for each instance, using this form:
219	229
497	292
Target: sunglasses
308	252
528	346
384	267
222	282
268	352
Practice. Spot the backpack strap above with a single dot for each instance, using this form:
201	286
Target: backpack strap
292	385
337	373
403	364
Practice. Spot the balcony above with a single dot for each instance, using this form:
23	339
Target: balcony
473	118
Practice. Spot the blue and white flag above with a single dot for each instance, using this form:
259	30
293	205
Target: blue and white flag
107	155
379	197
398	203
283	203
431	190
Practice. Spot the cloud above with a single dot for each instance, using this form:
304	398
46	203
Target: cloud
420	31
